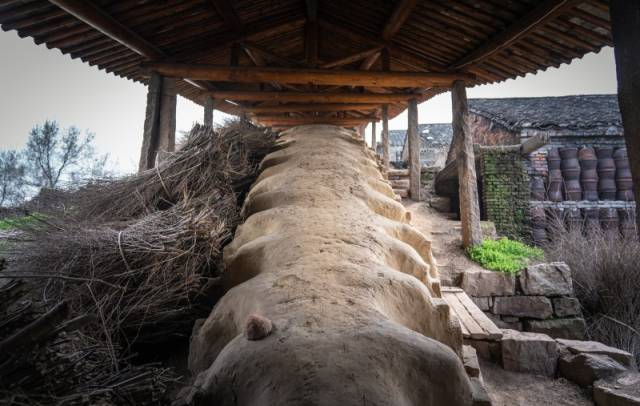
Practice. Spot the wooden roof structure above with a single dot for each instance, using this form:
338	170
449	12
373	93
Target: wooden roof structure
297	61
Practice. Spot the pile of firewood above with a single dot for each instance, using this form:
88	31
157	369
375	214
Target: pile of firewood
126	264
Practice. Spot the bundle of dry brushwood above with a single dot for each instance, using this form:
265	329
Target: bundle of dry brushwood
127	263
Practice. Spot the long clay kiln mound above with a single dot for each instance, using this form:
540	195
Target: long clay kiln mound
352	292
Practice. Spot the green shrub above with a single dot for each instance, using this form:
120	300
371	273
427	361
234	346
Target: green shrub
504	255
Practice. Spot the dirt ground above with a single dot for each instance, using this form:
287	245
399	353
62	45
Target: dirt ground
444	234
505	388
516	389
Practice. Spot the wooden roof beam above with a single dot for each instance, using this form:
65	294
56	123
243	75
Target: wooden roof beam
255	48
245	74
109	26
366	54
313	97
400	14
399	53
369	61
542	13
343	121
229	16
311	107
99	20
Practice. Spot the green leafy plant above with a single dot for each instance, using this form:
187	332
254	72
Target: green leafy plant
504	255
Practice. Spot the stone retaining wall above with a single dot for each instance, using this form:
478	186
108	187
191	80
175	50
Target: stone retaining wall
540	299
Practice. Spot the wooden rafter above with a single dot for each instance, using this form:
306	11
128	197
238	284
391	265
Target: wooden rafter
369	61
346	60
312	97
542	13
95	17
245	74
311	107
418	62
400	14
228	13
269	55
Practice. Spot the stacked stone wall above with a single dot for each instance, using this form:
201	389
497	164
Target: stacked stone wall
539	299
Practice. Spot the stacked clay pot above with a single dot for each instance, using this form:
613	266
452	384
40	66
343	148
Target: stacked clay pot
554	191
570	173
588	173
538	225
624	183
606	173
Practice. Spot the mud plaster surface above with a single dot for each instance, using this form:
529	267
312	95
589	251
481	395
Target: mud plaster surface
351	288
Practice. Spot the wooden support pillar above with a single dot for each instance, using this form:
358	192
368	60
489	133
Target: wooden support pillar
151	123
468	186
167	128
413	138
373	136
385	136
208	110
625	28
160	120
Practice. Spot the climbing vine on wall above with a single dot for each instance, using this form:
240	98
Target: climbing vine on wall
505	191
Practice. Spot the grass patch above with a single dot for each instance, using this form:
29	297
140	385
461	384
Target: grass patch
12	223
504	255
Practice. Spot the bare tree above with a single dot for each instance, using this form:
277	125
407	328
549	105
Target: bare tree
12	178
53	155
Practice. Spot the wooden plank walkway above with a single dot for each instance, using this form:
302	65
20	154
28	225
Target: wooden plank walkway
475	324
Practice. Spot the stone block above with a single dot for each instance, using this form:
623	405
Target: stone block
489	350
584	369
572	329
566	306
594	347
440	203
470	361
488	283
552	279
483	303
529	352
620	390
536	307
512	323
479	393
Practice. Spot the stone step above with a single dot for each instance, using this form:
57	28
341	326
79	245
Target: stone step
401	192
398	172
399	183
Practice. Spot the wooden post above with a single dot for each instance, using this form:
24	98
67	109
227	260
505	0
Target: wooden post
373	136
625	27
414	150
468	186
208	110
160	120
385	136
151	124
167	127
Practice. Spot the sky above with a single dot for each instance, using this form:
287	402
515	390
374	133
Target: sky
38	84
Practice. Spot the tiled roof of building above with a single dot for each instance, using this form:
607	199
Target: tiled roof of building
437	134
580	113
